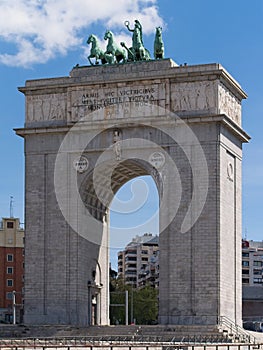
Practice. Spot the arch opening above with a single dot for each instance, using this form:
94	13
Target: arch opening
129	207
134	238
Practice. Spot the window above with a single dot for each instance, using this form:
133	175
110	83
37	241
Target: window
9	296
245	280
257	272
9	257
257	263
245	263
9	270
245	272
9	283
10	224
245	255
132	266
144	251
144	259
257	280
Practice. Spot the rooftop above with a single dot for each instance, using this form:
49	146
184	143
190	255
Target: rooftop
148	238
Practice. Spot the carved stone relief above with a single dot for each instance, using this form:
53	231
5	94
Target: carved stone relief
46	107
193	96
229	104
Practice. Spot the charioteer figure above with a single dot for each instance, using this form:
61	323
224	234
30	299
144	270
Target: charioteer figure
137	26
137	52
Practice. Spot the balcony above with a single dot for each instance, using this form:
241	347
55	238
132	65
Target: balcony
130	258
131	252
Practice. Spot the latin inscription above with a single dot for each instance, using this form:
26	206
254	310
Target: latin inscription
97	100
116	102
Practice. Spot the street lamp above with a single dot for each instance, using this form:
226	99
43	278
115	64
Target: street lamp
14	306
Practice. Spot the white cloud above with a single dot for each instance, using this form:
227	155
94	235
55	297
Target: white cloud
43	29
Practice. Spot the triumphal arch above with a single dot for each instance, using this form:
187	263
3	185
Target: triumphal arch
89	133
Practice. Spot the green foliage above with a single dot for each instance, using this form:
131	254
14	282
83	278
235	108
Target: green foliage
146	305
143	303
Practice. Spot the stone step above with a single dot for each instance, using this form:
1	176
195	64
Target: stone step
178	333
164	332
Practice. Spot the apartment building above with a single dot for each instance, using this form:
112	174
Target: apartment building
11	269
138	263
149	274
252	263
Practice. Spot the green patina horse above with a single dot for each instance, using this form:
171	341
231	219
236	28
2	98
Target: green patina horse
95	51
113	50
115	54
158	44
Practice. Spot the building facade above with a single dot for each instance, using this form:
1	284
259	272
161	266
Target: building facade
252	263
11	269
138	263
149	275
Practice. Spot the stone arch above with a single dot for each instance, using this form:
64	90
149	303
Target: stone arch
198	263
123	172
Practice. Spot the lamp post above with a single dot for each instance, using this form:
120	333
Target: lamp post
132	320
14	306
126	308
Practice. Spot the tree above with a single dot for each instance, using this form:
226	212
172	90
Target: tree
144	300
145	305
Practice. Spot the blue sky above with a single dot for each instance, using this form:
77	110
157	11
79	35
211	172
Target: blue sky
40	39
